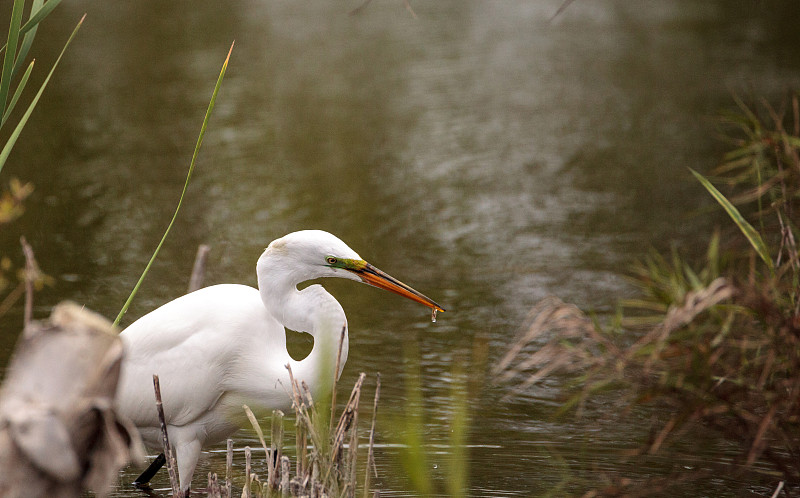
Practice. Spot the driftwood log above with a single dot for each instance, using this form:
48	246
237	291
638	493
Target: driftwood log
59	433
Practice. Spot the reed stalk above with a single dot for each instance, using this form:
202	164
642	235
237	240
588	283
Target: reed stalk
183	192
172	467
199	268
370	451
286	467
248	472
229	469
13	60
214	490
274	456
329	458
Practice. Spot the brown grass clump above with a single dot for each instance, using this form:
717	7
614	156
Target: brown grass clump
716	349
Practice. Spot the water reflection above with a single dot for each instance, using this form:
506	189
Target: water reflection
482	153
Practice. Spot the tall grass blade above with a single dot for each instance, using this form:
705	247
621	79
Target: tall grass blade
747	229
39	15
11	50
183	193
254	422
17	94
12	139
27	41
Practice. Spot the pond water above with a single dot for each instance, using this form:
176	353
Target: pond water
484	152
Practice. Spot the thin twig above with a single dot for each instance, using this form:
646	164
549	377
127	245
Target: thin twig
172	467
353	453
11	298
662	435
247	461
30	275
300	434
561	9
346	418
778	490
336	374
229	470
408	8
370	452
199	268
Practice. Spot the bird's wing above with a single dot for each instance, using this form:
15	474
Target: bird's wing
192	343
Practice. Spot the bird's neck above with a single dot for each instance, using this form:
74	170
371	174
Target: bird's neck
312	310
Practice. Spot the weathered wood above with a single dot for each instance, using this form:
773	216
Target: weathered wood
59	432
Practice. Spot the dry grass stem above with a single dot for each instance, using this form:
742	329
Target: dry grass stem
336	374
274	455
715	350
370	453
326	465
214	490
229	469
199	268
31	275
246	493
543	345
172	466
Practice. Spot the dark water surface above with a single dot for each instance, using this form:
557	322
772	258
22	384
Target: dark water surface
482	152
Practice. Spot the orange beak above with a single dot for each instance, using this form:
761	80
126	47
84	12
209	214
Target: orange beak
376	278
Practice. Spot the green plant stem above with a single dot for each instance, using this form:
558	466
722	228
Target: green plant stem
183	193
38	15
17	93
11	50
12	139
27	42
747	229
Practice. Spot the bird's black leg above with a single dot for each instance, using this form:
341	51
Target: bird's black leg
150	471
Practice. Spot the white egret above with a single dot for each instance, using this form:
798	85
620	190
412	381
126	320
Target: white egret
225	345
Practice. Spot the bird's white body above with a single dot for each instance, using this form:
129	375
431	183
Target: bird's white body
204	390
224	346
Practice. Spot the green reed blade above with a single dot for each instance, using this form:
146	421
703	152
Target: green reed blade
17	93
36	17
15	134
11	50
747	229
39	15
27	41
183	193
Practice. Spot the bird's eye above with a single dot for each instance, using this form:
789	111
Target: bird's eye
331	260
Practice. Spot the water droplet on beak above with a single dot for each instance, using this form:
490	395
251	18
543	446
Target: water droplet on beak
433	315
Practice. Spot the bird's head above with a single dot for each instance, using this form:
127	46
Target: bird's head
313	254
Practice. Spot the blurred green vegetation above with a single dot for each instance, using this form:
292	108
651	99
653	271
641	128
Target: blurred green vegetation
13	192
